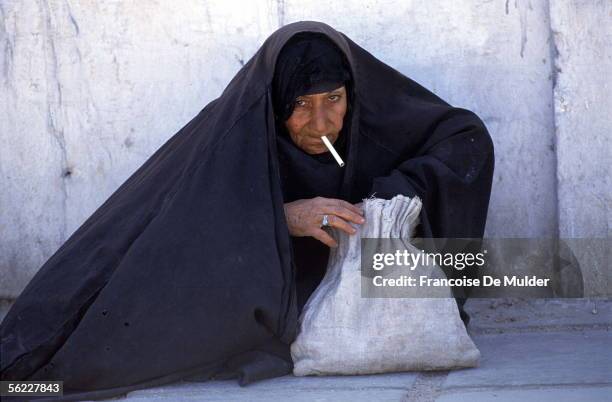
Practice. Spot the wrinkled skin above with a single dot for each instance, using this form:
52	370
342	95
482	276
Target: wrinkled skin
315	116
304	217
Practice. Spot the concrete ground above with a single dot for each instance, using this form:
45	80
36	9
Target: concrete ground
542	350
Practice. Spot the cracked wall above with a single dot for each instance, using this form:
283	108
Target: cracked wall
91	89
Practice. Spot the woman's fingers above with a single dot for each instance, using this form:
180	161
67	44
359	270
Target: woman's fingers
341	224
304	218
345	213
343	205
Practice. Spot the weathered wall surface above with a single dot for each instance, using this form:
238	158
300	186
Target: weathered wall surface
582	35
90	89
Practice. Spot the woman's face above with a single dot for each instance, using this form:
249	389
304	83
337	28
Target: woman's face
315	116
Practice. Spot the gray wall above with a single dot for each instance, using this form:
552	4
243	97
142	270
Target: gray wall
90	89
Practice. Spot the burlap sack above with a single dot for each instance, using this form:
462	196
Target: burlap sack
342	332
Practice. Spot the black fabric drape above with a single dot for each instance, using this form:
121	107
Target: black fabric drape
188	267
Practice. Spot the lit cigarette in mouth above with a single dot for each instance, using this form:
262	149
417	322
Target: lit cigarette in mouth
333	151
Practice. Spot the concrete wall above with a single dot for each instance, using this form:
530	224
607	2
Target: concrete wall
582	38
90	89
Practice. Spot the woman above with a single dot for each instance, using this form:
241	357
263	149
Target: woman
312	94
200	262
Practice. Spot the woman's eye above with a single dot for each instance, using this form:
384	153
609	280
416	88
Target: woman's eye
300	102
334	98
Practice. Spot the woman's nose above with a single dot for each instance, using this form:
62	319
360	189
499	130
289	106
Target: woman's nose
318	122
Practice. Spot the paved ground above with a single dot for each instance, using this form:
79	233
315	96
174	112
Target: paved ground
541	350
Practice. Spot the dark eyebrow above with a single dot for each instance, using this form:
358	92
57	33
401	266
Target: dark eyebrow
334	92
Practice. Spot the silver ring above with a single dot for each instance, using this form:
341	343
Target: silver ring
325	221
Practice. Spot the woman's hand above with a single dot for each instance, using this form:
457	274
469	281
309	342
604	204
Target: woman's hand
304	218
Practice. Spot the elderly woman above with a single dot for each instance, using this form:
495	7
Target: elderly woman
312	94
202	260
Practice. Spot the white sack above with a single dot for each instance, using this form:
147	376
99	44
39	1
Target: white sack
342	332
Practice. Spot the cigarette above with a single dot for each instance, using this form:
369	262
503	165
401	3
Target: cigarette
333	151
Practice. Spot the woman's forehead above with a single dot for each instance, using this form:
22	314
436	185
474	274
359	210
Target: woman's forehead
336	90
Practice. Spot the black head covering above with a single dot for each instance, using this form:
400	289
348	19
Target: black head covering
309	63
